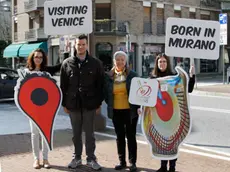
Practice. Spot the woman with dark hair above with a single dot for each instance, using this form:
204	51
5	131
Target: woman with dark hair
37	61
162	68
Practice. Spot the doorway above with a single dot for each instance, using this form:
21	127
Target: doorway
104	52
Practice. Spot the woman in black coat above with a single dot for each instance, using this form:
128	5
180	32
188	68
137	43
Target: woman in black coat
162	68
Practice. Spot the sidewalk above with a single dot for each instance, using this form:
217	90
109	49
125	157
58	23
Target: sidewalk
218	89
16	156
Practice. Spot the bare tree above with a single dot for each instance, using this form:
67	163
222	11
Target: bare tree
5	26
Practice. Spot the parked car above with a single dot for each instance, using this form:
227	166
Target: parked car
8	80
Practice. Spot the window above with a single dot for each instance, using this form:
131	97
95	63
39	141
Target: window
177	13
103	11
205	17
8	75
15	27
31	23
160	21
192	15
3	76
41	22
147	20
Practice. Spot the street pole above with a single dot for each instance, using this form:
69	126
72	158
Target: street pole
223	64
223	20
128	44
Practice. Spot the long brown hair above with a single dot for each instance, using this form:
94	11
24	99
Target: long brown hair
30	61
157	72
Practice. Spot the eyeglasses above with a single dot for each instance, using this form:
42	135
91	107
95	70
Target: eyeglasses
38	57
163	61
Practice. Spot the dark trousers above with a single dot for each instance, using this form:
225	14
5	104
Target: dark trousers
172	163
85	119
125	127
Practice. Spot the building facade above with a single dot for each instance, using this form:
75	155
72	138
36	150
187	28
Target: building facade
134	26
144	23
27	30
5	20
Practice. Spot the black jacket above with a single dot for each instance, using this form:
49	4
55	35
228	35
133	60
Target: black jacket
82	83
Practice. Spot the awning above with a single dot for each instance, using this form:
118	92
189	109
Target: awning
12	50
26	49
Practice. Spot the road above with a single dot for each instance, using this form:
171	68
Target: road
210	122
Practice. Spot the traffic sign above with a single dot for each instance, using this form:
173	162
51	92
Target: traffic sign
223	19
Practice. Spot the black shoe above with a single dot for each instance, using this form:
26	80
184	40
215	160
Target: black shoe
162	169
172	170
120	166
133	168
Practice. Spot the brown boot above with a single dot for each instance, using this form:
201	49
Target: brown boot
46	163
36	164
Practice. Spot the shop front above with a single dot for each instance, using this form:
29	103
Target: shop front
104	51
20	52
149	53
209	66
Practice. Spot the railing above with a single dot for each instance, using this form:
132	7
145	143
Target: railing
108	25
210	3
34	34
225	5
30	5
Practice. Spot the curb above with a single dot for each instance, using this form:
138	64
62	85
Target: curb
197	92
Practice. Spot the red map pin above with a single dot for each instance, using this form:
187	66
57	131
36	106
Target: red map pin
38	96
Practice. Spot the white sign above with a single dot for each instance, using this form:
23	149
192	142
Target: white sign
64	44
223	19
192	38
143	92
68	17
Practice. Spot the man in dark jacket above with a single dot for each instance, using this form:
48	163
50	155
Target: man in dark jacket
82	79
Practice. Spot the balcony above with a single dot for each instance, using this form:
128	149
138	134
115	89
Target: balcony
210	4
225	5
33	5
109	27
35	34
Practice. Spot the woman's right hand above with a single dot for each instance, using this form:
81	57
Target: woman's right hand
139	111
66	110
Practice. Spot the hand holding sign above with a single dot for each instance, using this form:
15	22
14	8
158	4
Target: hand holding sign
38	97
143	92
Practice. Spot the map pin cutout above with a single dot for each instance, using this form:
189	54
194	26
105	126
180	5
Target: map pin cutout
39	97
